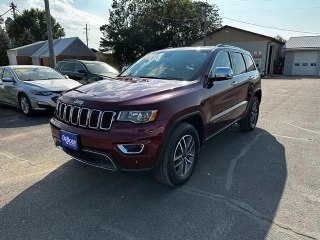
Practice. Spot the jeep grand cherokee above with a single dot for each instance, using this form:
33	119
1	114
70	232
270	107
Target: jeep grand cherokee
157	113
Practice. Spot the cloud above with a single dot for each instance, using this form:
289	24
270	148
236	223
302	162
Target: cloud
72	19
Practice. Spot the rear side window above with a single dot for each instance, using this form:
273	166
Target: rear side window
222	60
249	63
69	67
1	71
238	63
78	67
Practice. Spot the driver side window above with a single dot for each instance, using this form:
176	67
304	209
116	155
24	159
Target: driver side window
221	60
7	73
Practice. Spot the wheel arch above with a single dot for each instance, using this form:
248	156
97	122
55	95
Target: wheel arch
258	94
196	120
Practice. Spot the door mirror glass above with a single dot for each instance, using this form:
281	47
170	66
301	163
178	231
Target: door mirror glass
221	73
7	79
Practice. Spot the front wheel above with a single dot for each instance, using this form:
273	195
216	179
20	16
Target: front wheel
249	121
25	105
179	157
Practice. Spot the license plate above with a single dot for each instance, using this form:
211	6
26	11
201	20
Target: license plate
69	140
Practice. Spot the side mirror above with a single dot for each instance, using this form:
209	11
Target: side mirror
7	79
220	74
66	76
82	71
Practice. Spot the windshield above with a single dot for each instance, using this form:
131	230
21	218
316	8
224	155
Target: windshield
176	65
39	73
100	68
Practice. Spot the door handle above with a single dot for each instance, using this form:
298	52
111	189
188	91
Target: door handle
235	82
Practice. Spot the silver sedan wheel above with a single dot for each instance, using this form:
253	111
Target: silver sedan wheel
25	105
184	155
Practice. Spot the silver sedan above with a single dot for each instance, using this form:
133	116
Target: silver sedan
32	87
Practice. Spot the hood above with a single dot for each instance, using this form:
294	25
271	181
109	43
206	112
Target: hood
109	74
54	84
127	89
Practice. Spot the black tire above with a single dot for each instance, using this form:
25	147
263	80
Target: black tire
25	105
166	172
249	121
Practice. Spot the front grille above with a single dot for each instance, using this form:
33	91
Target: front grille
85	117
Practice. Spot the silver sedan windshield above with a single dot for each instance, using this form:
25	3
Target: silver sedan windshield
39	73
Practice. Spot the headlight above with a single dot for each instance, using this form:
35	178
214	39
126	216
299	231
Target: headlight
42	93
138	116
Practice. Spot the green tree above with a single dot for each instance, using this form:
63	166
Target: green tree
4	46
137	27
31	27
280	38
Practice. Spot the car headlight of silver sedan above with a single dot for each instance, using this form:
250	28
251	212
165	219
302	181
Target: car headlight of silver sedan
41	93
138	116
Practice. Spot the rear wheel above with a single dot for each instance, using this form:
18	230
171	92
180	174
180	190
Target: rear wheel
179	157
249	122
25	105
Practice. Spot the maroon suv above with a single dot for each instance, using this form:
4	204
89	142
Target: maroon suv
157	113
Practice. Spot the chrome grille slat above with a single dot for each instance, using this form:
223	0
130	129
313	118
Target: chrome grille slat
85	117
111	120
98	119
62	108
75	117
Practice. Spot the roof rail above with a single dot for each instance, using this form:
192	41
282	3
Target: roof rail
226	45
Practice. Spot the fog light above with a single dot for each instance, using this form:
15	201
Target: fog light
131	148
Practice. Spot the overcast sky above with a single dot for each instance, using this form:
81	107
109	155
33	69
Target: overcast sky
298	15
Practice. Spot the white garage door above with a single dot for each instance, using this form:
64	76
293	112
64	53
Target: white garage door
305	63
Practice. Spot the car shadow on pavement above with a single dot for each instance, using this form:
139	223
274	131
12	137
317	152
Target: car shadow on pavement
13	117
234	194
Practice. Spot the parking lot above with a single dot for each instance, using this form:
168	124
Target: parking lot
259	185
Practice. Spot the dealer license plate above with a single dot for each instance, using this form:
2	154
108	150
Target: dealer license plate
69	140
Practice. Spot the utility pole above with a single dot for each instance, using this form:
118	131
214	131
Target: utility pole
86	28
13	8
205	7
49	33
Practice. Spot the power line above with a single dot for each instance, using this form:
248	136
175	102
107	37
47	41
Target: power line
258	25
5	12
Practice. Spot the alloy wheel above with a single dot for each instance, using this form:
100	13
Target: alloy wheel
25	106
184	155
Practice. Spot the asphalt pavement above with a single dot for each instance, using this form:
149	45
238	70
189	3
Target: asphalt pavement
259	185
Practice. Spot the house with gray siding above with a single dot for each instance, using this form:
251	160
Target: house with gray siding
265	50
302	56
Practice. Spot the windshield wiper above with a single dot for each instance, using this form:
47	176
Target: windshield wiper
165	78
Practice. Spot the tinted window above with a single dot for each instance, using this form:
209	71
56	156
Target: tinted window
249	63
7	73
78	67
1	71
69	67
222	60
238	63
172	64
100	68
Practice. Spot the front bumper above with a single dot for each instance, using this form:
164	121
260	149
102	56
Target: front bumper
39	102
106	144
